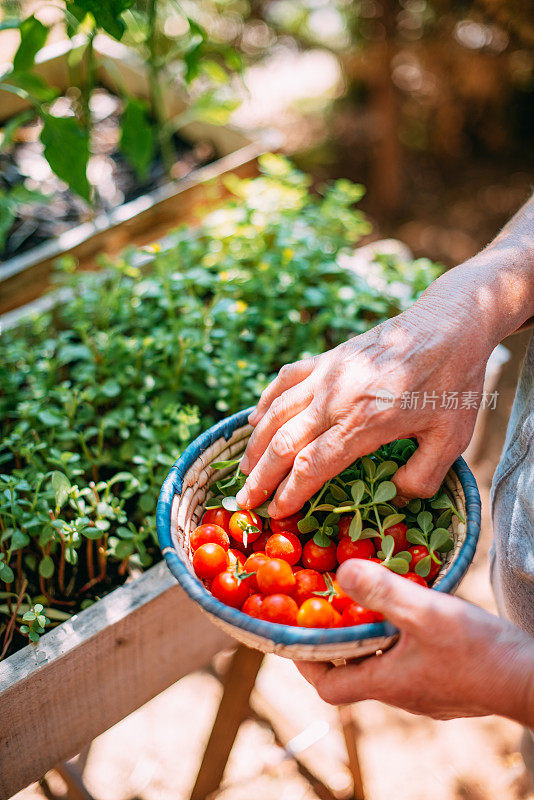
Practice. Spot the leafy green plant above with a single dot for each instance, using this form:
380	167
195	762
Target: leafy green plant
100	394
189	61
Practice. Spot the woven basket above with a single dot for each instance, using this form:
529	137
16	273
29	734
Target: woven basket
180	507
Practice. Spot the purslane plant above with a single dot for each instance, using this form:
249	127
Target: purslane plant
99	396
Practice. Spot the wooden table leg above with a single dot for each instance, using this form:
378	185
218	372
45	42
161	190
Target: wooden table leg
351	733
233	710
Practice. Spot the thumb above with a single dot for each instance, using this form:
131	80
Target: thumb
423	473
379	589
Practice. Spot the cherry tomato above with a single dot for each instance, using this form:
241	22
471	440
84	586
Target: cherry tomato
344	525
284	545
230	589
363	548
413	576
419	551
259	544
398	532
253	605
217	516
279	608
340	600
209	533
287	524
308	581
236	557
355	614
275	577
316	612
320	558
245	527
209	560
251	565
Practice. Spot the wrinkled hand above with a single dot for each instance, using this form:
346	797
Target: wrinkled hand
320	414
452	659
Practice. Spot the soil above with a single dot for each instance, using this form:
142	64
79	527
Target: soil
113	178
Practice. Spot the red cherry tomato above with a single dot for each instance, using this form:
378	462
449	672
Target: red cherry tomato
253	605
316	612
413	576
284	545
344	525
236	557
209	533
228	588
319	558
275	577
419	551
209	560
308	581
245	527
217	516
355	614
252	564
279	608
398	532
340	600
363	548
259	544
287	524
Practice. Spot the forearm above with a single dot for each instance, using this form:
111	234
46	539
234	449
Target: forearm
494	290
512	693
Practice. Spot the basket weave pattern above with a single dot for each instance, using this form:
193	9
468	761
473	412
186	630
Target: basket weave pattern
181	506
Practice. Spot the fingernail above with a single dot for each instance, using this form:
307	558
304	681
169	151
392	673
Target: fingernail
272	510
242	498
244	465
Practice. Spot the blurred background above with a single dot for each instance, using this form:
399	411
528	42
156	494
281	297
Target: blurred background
429	104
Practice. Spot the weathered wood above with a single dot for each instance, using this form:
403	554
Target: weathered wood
351	734
91	672
233	709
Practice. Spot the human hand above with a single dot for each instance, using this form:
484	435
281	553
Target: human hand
452	659
320	414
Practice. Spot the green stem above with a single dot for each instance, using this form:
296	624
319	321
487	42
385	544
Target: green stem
156	94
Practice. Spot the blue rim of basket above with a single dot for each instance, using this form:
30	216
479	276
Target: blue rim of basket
286	634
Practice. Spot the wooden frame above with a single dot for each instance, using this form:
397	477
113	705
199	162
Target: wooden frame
92	671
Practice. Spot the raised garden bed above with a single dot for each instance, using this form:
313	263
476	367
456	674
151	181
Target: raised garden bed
141	220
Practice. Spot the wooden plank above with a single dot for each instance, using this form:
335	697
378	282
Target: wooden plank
91	672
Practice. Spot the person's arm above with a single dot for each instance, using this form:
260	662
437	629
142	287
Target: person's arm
452	659
320	414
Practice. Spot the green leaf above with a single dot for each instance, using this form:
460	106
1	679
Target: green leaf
440	539
11	127
392	519
398	565
369	467
137	136
308	524
230	504
321	539
388	546
33	36
338	493
422	567
425	521
416	536
357	491
355	527
92	532
124	549
224	464
384	491
61	487
414	506
6	573
107	14
50	418
34	85
442	501
385	469
369	533
405	554
46	567
444	519
66	148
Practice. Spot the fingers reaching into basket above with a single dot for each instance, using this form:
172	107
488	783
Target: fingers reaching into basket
319	415
452	659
